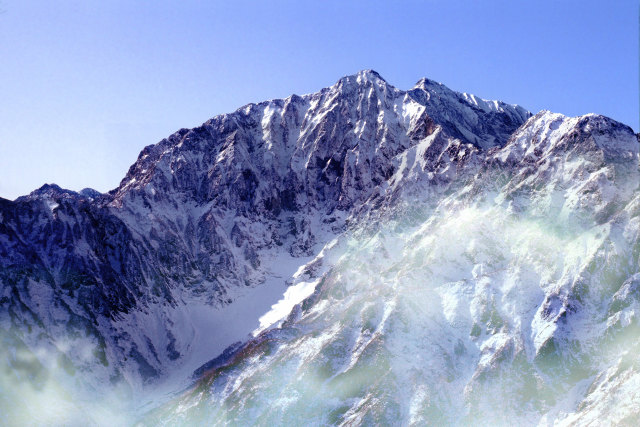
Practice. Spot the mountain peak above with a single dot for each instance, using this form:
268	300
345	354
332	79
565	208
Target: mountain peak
370	74
425	82
363	77
54	191
50	190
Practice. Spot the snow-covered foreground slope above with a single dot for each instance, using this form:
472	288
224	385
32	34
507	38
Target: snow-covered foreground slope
513	301
358	255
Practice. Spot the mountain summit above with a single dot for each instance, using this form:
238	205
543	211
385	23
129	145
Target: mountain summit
341	225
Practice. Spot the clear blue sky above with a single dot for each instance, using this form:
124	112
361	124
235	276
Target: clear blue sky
84	85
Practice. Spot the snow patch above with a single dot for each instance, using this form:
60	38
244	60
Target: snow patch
280	310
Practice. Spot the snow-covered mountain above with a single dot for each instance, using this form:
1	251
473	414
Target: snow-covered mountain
363	254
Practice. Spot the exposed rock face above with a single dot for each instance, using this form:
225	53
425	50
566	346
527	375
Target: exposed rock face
208	218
